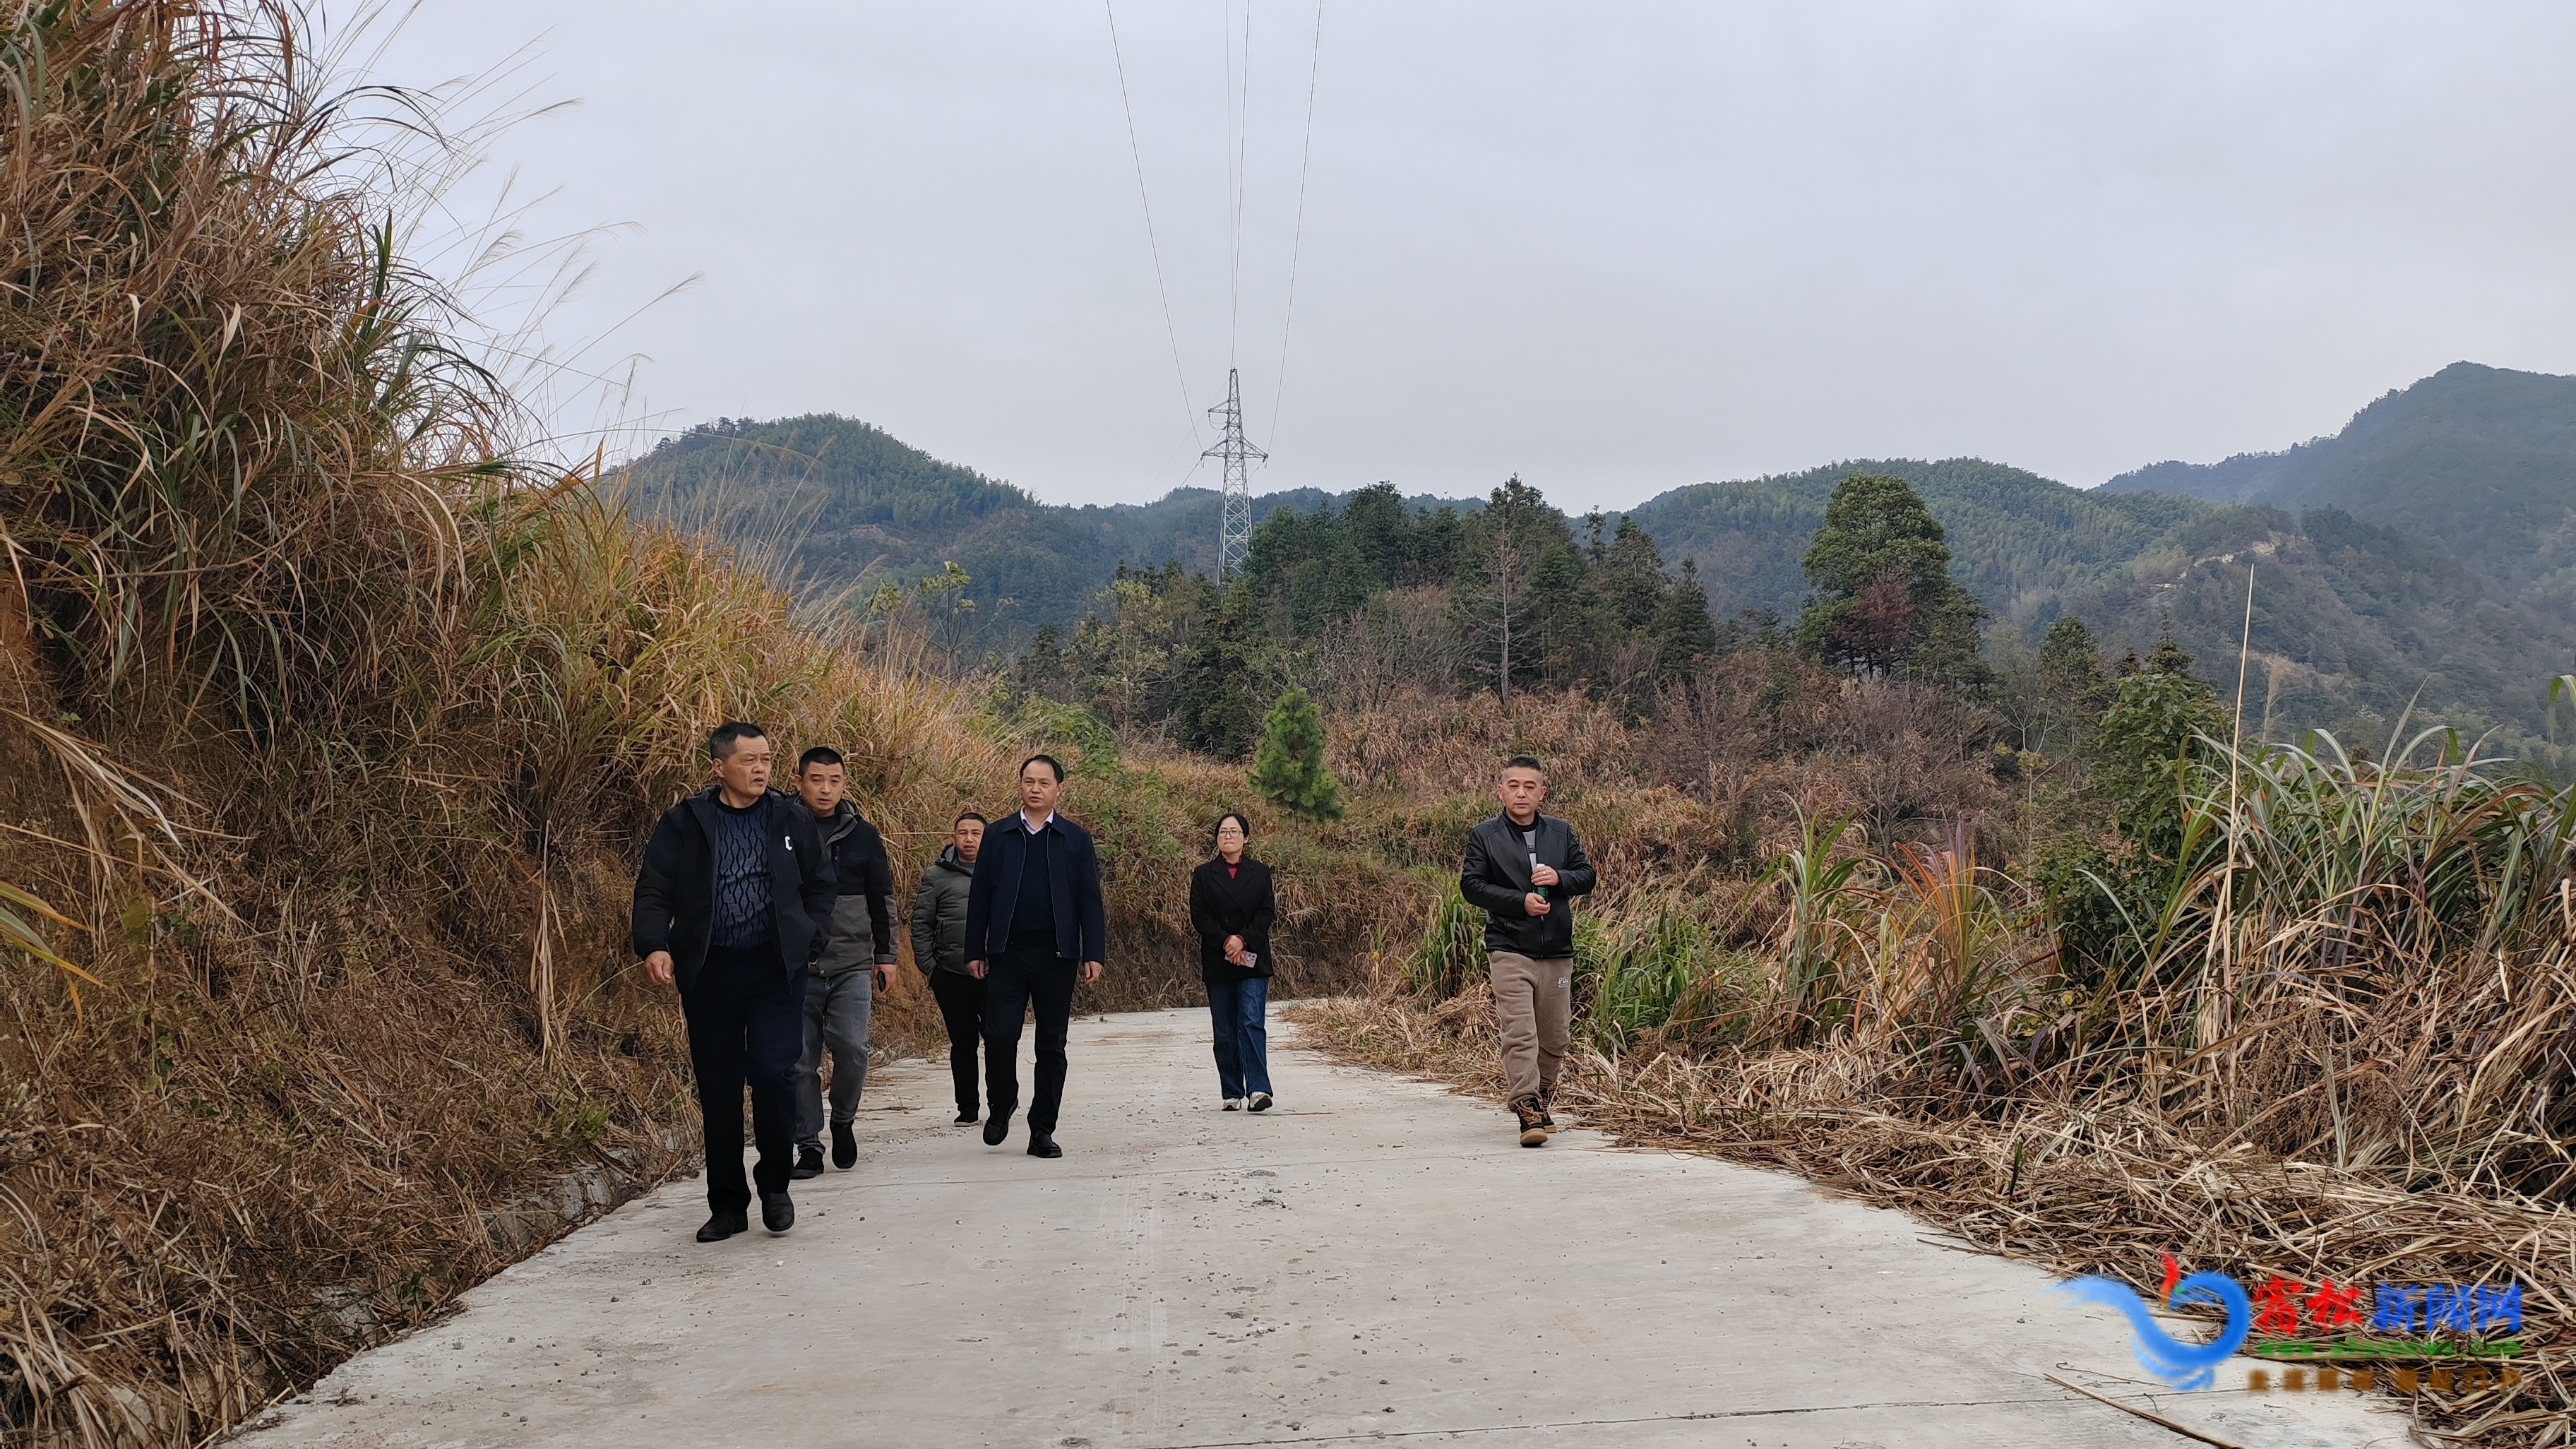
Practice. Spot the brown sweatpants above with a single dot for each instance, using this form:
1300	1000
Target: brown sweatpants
1533	1003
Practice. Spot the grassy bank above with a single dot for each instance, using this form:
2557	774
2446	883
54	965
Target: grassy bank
331	728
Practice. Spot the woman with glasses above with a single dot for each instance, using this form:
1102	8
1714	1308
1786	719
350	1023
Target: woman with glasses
1232	906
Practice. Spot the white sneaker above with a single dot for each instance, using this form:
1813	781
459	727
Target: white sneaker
1234	1104
1261	1101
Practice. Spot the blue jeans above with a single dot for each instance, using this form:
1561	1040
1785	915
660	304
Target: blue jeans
1242	1040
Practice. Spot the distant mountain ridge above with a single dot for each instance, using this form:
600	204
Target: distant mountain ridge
2479	459
2422	558
836	502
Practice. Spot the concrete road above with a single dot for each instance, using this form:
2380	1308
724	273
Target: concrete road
1376	1260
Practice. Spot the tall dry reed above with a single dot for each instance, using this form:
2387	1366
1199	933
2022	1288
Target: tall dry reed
2351	1060
329	731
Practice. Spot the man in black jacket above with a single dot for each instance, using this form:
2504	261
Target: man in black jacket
732	905
939	949
856	963
1524	870
1033	912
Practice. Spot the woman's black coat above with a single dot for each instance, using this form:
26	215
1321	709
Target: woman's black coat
1236	905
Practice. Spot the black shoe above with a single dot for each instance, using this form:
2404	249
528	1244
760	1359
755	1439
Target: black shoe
1042	1144
809	1163
997	1127
724	1224
1546	1118
966	1116
845	1146
1532	1134
777	1213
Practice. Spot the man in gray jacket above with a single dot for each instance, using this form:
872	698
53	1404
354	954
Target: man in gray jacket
857	961
939	949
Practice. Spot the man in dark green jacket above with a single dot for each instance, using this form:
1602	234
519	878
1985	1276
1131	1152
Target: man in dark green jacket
939	949
1524	869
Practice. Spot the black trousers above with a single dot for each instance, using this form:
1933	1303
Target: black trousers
746	1019
1020	980
961	1007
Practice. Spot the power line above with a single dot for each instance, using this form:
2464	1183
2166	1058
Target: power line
1239	121
1188	409
1297	246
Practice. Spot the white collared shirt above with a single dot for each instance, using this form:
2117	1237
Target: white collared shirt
1041	825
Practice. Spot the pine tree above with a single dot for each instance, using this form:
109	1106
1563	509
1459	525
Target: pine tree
1288	768
1885	601
1212	700
1684	633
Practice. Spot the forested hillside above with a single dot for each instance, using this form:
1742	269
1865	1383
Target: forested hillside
2353	621
2422	558
1379	598
839	504
2479	459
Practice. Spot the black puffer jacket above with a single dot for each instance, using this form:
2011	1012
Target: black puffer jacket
1496	880
939	915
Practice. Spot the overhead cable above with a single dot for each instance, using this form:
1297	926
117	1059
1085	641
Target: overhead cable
1296	247
1189	408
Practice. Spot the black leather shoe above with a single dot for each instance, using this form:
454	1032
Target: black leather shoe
724	1224
965	1116
845	1146
777	1213
809	1163
996	1127
1042	1144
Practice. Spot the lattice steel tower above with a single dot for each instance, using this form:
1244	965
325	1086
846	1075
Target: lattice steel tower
1234	525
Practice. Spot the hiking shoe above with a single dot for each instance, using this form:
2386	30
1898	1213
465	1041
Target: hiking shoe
1260	1102
809	1163
1546	1118
777	1213
1533	1122
724	1224
1234	1104
1042	1144
845	1146
997	1127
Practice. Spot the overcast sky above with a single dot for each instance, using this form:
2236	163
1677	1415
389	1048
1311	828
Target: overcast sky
1612	248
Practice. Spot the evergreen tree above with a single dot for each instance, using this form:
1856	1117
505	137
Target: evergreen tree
1885	603
1683	632
1630	577
2147	740
2137	764
1041	670
2073	689
1212	702
1288	769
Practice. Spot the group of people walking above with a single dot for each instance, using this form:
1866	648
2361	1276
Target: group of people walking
772	913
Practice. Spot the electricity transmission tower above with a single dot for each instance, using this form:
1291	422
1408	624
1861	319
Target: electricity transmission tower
1234	526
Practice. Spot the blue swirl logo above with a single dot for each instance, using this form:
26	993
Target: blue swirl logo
2183	1365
